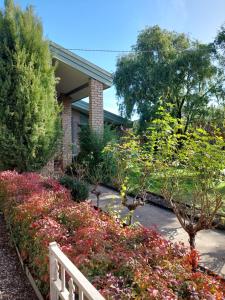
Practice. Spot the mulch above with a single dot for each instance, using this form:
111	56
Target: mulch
14	284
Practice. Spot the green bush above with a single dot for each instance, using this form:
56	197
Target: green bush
30	126
92	156
94	142
79	189
67	181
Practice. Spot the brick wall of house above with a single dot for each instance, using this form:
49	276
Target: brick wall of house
67	132
75	131
63	157
96	117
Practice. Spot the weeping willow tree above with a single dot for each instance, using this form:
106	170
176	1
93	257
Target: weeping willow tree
29	112
168	66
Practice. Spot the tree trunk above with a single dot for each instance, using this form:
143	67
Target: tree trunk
192	241
130	221
98	201
194	261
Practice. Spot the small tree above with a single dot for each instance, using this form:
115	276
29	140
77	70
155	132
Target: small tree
29	113
132	169
96	178
199	163
192	161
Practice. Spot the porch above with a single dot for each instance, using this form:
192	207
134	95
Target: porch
78	79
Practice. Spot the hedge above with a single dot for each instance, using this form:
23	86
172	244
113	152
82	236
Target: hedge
121	262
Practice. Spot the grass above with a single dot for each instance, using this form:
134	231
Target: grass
186	182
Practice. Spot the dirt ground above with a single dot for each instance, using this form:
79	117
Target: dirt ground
14	284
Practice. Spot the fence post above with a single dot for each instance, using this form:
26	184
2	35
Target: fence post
52	263
62	268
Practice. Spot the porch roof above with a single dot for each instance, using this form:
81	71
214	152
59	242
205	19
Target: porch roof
83	107
74	73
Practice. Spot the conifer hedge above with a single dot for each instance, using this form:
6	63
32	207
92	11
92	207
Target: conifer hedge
29	112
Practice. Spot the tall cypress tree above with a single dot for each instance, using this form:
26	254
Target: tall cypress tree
29	112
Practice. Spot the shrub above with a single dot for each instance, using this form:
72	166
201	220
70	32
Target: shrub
91	155
67	181
79	189
29	112
94	142
123	263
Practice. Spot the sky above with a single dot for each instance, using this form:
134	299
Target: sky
115	24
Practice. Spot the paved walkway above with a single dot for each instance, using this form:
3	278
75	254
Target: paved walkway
14	284
210	243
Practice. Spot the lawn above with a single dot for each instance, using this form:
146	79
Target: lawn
186	184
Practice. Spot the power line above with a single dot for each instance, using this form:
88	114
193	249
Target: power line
122	51
104	50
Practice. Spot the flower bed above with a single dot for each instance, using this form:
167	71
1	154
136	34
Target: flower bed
122	263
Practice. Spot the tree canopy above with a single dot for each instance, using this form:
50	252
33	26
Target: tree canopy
167	67
29	113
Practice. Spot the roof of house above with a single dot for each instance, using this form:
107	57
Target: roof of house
83	107
81	64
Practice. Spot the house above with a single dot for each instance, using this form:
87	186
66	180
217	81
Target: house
78	79
80	117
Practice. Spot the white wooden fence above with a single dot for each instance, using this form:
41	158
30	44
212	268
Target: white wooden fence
66	281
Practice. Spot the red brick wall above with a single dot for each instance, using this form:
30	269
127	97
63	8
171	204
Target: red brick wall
67	132
96	120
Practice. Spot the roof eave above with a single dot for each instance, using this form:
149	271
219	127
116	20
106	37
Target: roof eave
81	64
108	116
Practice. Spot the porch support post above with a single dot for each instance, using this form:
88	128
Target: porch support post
67	132
96	115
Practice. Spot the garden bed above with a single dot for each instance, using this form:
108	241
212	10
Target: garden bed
122	263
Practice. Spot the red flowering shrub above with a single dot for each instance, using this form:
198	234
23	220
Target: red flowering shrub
123	263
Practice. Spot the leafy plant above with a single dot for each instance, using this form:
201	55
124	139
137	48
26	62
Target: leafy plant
29	111
91	145
131	160
202	155
77	170
79	189
67	181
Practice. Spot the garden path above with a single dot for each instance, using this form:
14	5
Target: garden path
210	243
14	284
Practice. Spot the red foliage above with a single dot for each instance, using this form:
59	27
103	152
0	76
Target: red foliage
123	263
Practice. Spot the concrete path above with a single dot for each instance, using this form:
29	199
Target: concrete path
210	243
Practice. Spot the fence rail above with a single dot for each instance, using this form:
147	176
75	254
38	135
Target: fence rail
66	281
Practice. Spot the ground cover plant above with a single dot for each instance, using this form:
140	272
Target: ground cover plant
122	262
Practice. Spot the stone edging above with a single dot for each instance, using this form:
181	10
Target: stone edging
25	268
